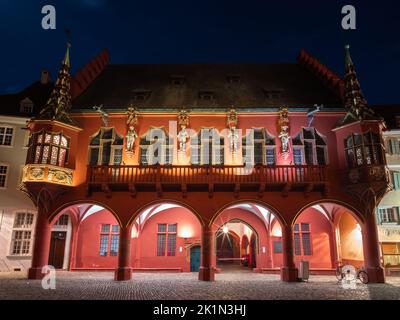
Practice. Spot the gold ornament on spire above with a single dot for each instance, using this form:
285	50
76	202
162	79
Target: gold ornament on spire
58	106
354	100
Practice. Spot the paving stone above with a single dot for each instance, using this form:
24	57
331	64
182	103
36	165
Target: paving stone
186	286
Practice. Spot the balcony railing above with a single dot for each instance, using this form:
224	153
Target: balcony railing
170	176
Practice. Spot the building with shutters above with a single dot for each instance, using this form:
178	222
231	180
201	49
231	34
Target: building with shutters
388	212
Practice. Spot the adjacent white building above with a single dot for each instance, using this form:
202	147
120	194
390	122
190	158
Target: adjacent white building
388	213
17	213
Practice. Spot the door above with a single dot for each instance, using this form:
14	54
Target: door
195	259
57	249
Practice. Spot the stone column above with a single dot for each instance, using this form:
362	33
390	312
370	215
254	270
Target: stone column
206	272
375	271
74	246
124	270
41	248
289	272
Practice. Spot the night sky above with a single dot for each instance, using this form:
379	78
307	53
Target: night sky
203	32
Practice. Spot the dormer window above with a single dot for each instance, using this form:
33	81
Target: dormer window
273	93
141	95
233	78
177	80
49	148
26	106
206	95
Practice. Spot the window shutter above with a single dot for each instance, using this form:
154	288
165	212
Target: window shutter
396	180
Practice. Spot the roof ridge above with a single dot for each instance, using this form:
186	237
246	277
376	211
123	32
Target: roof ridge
322	72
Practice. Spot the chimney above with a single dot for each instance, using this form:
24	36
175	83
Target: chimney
45	77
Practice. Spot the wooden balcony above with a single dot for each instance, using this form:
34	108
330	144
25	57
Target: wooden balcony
210	179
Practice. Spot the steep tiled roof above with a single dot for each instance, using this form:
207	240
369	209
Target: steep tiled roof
203	86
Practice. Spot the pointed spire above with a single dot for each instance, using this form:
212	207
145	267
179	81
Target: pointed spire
354	100
58	105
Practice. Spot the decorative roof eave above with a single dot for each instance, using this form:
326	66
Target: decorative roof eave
58	106
57	123
221	111
342	126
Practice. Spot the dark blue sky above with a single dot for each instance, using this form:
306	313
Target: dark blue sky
251	31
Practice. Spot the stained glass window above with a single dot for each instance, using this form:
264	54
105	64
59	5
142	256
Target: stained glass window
363	149
52	150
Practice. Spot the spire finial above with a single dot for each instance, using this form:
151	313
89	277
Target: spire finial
354	100
58	105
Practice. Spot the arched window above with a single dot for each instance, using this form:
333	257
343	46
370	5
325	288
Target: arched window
309	148
49	148
258	148
156	148
363	149
207	147
106	148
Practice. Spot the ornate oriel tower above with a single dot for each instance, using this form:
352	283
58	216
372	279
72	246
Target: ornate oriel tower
50	163
361	154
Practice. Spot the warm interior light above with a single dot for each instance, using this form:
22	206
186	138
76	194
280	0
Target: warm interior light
358	227
225	229
185	233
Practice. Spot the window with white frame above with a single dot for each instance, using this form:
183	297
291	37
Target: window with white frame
106	148
207	147
258	148
388	215
393	146
6	135
309	148
21	241
3	175
395	177
62	222
156	147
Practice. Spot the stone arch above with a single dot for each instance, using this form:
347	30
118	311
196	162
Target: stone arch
164	201
59	211
274	211
356	214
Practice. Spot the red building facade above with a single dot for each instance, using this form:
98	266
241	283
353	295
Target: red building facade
203	167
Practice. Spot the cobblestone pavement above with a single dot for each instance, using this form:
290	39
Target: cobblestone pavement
177	286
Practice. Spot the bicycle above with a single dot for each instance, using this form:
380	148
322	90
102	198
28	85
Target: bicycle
361	274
